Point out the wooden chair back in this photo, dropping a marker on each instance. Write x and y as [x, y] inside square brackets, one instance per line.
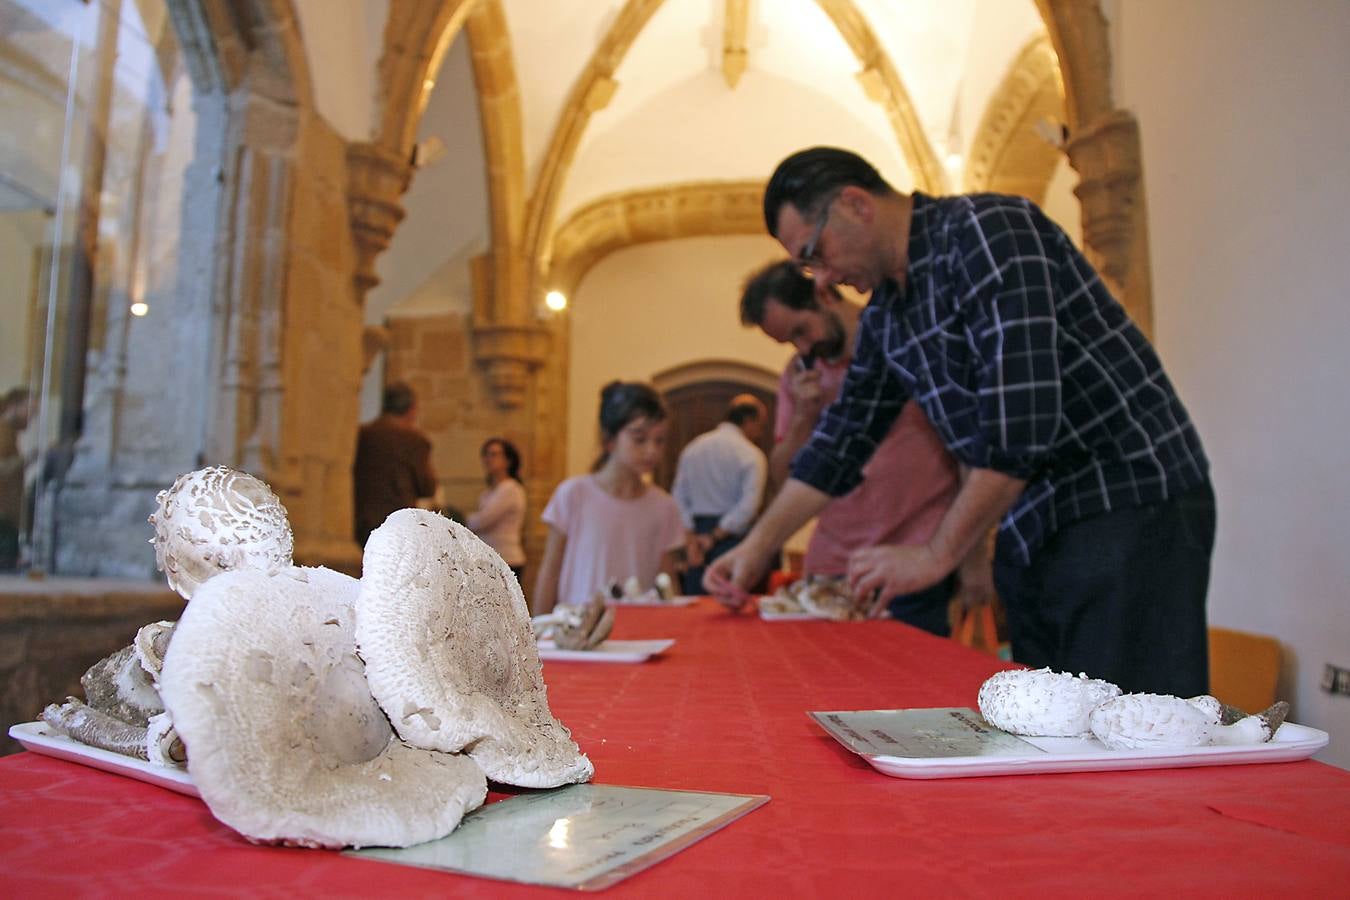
[1244, 668]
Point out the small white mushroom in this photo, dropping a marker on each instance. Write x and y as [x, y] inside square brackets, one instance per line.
[285, 742]
[1042, 702]
[583, 627]
[119, 686]
[450, 655]
[828, 597]
[1161, 721]
[150, 645]
[214, 520]
[1152, 721]
[163, 746]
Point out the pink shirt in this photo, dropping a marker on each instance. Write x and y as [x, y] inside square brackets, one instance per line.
[609, 539]
[500, 520]
[907, 485]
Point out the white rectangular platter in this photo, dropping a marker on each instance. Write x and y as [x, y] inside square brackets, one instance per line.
[769, 615]
[681, 600]
[608, 651]
[39, 738]
[956, 742]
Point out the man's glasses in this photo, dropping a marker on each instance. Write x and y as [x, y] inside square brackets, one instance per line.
[808, 258]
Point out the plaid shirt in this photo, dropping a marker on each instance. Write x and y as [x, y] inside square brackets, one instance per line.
[1024, 363]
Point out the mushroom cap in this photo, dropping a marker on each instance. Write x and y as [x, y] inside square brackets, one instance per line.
[450, 655]
[284, 740]
[1041, 702]
[214, 520]
[1154, 721]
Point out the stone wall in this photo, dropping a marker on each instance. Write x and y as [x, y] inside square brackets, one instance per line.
[52, 630]
[458, 411]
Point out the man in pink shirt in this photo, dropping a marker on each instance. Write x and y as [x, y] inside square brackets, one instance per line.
[910, 480]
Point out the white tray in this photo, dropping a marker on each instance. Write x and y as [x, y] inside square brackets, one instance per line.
[39, 738]
[1291, 742]
[769, 615]
[608, 651]
[681, 600]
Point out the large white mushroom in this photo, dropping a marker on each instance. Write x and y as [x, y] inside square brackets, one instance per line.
[210, 521]
[285, 742]
[1042, 702]
[214, 520]
[445, 634]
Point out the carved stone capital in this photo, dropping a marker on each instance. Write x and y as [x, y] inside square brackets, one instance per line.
[376, 179]
[509, 353]
[1106, 156]
[374, 340]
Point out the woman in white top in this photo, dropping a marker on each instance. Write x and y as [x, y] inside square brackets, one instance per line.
[500, 517]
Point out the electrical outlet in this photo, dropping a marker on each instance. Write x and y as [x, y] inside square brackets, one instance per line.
[1335, 680]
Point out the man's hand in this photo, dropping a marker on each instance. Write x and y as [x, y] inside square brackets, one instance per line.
[729, 576]
[886, 572]
[693, 550]
[807, 395]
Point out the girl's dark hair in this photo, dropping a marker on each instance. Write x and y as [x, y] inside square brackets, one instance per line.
[509, 451]
[620, 403]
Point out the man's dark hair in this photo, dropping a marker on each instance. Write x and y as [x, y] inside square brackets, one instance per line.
[740, 413]
[398, 398]
[780, 281]
[807, 178]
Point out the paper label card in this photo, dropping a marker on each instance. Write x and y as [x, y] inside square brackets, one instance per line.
[583, 836]
[921, 733]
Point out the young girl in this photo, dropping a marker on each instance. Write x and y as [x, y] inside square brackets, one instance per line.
[611, 525]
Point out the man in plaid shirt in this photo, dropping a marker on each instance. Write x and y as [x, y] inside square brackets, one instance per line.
[1070, 436]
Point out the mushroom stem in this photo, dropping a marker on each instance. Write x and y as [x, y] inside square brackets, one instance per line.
[97, 729]
[1257, 729]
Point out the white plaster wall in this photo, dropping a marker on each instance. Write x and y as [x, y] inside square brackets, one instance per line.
[343, 43]
[1247, 166]
[647, 308]
[697, 130]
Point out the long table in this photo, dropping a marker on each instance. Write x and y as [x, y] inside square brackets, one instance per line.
[725, 710]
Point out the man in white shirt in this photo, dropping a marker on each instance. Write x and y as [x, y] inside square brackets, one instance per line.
[719, 482]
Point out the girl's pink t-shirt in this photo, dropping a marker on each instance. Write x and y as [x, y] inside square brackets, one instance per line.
[907, 485]
[609, 539]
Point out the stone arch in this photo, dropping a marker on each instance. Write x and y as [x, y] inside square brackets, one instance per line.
[1103, 147]
[883, 85]
[676, 377]
[665, 213]
[1006, 154]
[596, 86]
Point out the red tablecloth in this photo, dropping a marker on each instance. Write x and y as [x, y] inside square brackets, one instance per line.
[724, 710]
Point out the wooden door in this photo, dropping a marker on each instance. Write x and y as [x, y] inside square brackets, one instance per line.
[699, 407]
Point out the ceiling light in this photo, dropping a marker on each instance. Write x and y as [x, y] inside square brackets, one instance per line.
[556, 301]
[140, 308]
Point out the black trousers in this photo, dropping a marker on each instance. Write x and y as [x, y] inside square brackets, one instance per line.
[926, 609]
[691, 580]
[1119, 596]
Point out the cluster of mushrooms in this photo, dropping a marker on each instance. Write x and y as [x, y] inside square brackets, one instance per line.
[1043, 703]
[821, 596]
[311, 708]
